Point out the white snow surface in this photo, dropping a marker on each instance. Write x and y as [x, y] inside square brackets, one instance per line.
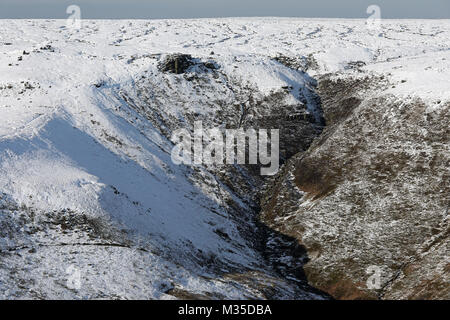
[59, 134]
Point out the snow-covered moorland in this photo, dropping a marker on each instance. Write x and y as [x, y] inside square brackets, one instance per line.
[87, 185]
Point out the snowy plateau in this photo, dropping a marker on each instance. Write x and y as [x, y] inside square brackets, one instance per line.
[92, 206]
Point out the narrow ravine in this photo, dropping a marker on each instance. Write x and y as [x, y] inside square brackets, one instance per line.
[300, 125]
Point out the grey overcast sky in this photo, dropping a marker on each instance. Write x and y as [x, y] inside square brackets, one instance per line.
[150, 9]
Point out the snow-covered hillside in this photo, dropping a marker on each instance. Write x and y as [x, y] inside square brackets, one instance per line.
[87, 185]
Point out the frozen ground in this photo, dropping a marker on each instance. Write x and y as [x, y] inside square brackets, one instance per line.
[86, 181]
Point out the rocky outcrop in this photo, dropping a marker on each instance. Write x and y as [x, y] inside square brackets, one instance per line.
[179, 63]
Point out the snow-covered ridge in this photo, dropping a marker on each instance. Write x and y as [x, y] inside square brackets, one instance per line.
[75, 140]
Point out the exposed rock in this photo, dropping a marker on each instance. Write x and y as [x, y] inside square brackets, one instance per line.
[301, 63]
[176, 63]
[179, 63]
